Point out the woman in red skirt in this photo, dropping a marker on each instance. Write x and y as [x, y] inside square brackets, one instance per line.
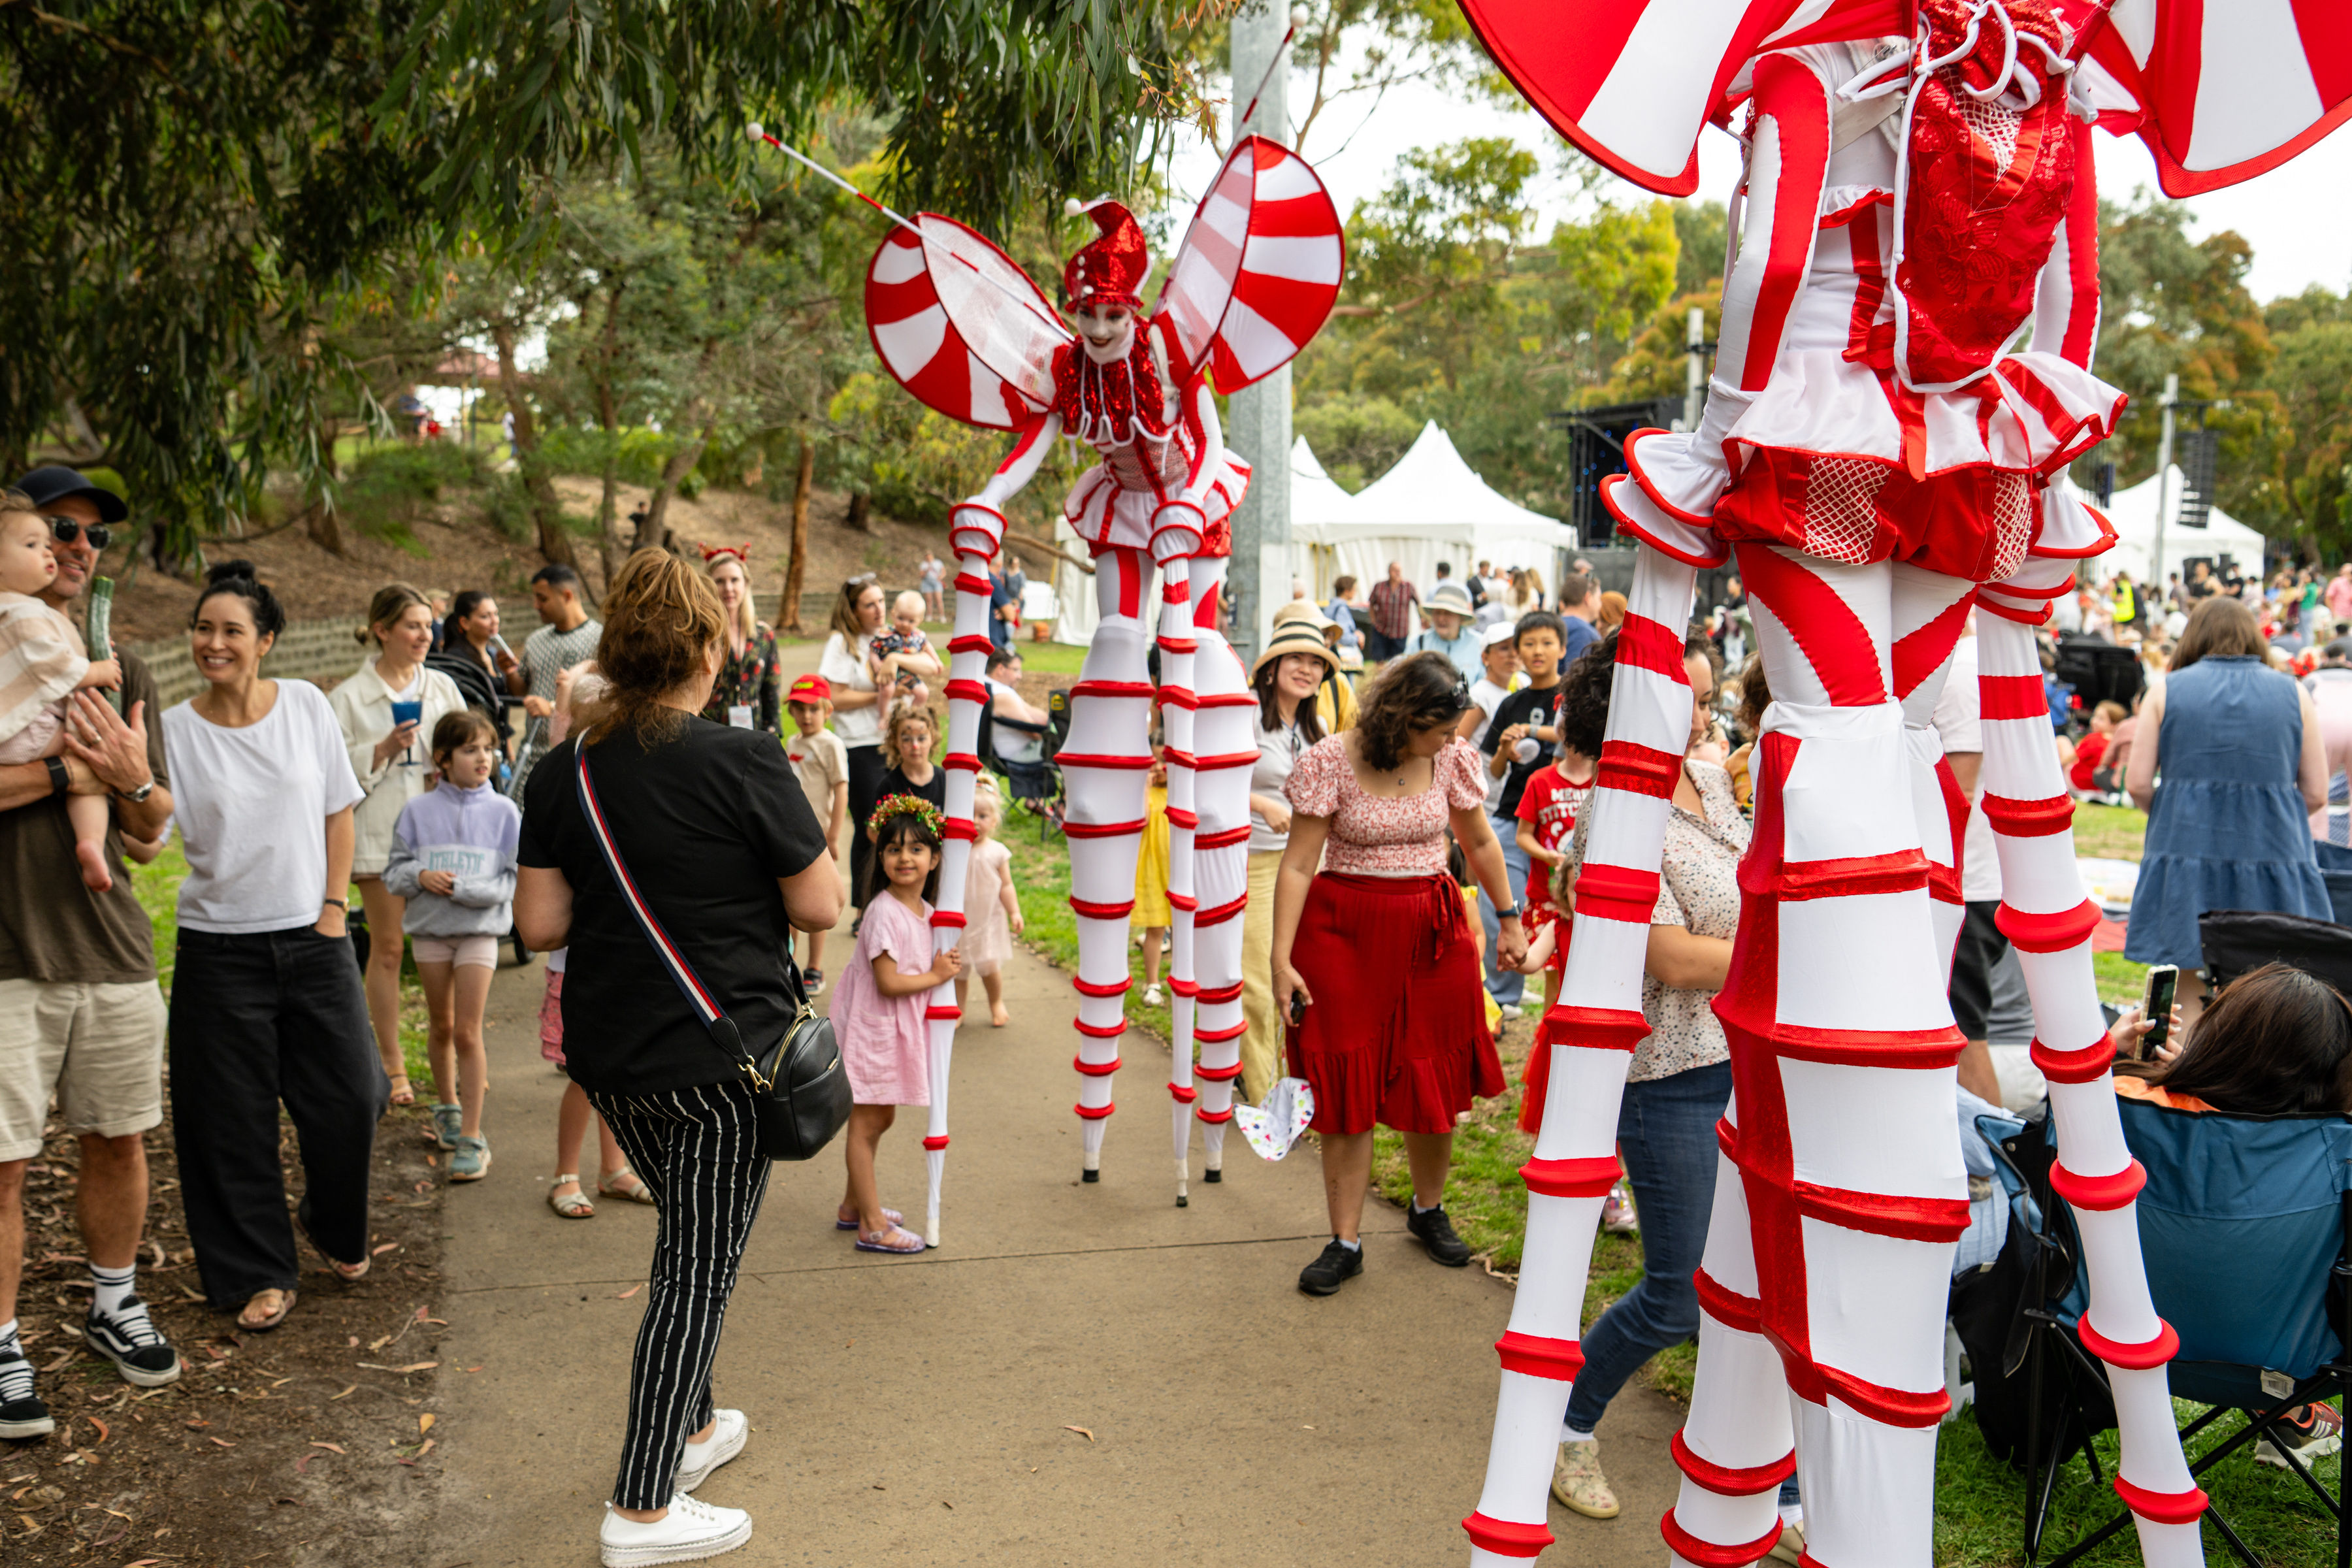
[1373, 958]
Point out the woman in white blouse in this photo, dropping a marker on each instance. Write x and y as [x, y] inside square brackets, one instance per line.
[857, 708]
[265, 1000]
[393, 769]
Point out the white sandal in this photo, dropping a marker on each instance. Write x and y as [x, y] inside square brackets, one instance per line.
[574, 1205]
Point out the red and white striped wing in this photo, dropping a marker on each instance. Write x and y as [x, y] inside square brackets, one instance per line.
[2220, 90]
[1633, 82]
[958, 323]
[1259, 269]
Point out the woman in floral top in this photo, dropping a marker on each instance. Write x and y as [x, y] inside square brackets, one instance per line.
[745, 693]
[1374, 963]
[1679, 1083]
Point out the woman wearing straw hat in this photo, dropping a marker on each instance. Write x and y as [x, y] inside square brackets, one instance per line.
[1334, 698]
[1294, 667]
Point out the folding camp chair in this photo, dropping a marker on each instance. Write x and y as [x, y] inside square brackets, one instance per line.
[2246, 1229]
[2335, 870]
[1031, 786]
[2237, 941]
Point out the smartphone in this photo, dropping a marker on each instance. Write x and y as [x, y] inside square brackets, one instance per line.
[1297, 1008]
[2155, 1006]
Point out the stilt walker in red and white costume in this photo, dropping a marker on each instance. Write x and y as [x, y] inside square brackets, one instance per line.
[960, 327]
[1880, 463]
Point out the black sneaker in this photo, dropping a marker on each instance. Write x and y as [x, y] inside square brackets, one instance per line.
[22, 1415]
[1338, 1264]
[129, 1340]
[1436, 1234]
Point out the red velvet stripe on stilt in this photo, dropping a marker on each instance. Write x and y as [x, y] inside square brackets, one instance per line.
[1118, 987]
[1218, 1037]
[1100, 1031]
[1095, 1070]
[960, 762]
[1637, 769]
[950, 1013]
[967, 584]
[1218, 1075]
[1221, 913]
[2013, 696]
[2163, 1508]
[1708, 1554]
[935, 1142]
[1095, 1113]
[1725, 1482]
[1114, 764]
[1102, 688]
[1726, 1306]
[1094, 912]
[970, 691]
[1214, 1117]
[1646, 645]
[1224, 839]
[2141, 1357]
[1623, 893]
[2028, 818]
[1506, 1538]
[961, 828]
[1920, 653]
[1596, 1028]
[1587, 1177]
[1851, 876]
[2051, 932]
[1879, 1214]
[1212, 995]
[1102, 830]
[1559, 1360]
[2092, 1062]
[1903, 1049]
[973, 642]
[2099, 1194]
[1182, 1093]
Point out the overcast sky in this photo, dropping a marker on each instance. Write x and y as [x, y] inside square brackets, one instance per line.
[2298, 218]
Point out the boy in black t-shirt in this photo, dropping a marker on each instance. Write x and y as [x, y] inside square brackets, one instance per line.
[1533, 710]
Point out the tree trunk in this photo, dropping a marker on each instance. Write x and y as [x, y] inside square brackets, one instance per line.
[796, 568]
[680, 461]
[546, 511]
[608, 518]
[859, 504]
[318, 520]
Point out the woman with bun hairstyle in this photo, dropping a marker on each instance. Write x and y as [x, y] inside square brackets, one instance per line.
[390, 761]
[267, 1007]
[1374, 965]
[721, 847]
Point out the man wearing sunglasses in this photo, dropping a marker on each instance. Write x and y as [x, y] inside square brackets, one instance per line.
[81, 1016]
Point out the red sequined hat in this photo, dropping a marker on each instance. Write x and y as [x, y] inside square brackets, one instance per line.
[1109, 270]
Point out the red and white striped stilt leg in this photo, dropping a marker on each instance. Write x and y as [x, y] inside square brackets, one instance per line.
[2048, 919]
[1930, 609]
[1103, 764]
[1225, 749]
[974, 535]
[1176, 709]
[1599, 1012]
[1843, 1064]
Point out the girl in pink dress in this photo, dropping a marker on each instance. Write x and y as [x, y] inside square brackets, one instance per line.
[877, 1007]
[995, 906]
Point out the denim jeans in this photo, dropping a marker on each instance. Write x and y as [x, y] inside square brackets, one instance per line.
[1507, 985]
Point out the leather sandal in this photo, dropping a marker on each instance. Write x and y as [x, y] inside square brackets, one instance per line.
[402, 1094]
[269, 1320]
[574, 1205]
[635, 1191]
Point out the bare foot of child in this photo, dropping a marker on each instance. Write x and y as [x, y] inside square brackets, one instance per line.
[997, 1017]
[94, 874]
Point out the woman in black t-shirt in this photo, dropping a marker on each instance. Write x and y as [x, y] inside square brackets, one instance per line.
[719, 841]
[908, 738]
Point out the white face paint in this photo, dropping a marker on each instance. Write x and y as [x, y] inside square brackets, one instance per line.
[1106, 330]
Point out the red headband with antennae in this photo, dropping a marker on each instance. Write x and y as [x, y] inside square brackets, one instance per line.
[742, 552]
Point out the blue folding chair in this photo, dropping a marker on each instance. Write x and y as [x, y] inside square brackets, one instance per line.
[2246, 1228]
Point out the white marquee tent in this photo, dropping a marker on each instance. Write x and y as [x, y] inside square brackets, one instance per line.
[2133, 511]
[1430, 507]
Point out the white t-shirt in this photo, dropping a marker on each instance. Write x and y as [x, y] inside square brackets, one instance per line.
[1014, 745]
[1488, 696]
[843, 668]
[251, 805]
[1958, 720]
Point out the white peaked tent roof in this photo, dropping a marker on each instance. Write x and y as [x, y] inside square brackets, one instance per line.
[1433, 492]
[1316, 497]
[2133, 512]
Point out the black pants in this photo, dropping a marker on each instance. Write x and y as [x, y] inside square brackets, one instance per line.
[258, 1019]
[865, 770]
[698, 1151]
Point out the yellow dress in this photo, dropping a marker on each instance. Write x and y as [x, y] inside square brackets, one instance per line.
[1151, 864]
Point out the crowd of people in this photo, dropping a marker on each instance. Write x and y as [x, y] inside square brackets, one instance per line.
[1416, 824]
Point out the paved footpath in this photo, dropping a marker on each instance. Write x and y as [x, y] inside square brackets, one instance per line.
[918, 1410]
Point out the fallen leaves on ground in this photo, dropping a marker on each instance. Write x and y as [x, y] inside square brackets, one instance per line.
[1081, 1431]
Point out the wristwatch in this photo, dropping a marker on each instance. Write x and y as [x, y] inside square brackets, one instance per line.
[60, 780]
[1508, 913]
[136, 796]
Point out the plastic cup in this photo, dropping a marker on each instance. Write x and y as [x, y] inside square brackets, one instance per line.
[408, 713]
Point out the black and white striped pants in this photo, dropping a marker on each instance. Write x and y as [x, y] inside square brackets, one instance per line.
[698, 1151]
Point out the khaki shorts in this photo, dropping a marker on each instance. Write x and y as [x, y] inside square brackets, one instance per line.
[98, 1049]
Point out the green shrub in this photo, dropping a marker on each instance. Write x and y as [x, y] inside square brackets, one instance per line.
[388, 488]
[580, 450]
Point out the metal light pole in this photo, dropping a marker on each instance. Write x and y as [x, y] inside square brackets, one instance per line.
[1694, 371]
[1257, 417]
[2163, 486]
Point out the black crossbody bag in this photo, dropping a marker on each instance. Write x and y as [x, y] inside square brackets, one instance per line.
[799, 1087]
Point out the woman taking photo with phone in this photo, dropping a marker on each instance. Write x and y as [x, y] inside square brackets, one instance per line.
[1374, 963]
[386, 709]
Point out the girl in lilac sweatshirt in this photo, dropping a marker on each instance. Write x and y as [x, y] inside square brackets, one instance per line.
[452, 859]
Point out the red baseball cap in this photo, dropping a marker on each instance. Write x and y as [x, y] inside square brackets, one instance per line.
[810, 688]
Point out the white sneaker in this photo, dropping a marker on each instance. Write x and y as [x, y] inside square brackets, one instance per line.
[1508, 1009]
[1151, 996]
[688, 1532]
[699, 1459]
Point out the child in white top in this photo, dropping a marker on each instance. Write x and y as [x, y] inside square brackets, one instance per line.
[41, 665]
[904, 635]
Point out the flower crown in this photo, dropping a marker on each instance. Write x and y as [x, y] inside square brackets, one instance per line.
[913, 805]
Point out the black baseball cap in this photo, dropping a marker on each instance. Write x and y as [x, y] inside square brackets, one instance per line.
[52, 482]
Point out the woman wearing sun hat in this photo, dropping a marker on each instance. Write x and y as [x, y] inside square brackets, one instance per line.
[1289, 673]
[1334, 699]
